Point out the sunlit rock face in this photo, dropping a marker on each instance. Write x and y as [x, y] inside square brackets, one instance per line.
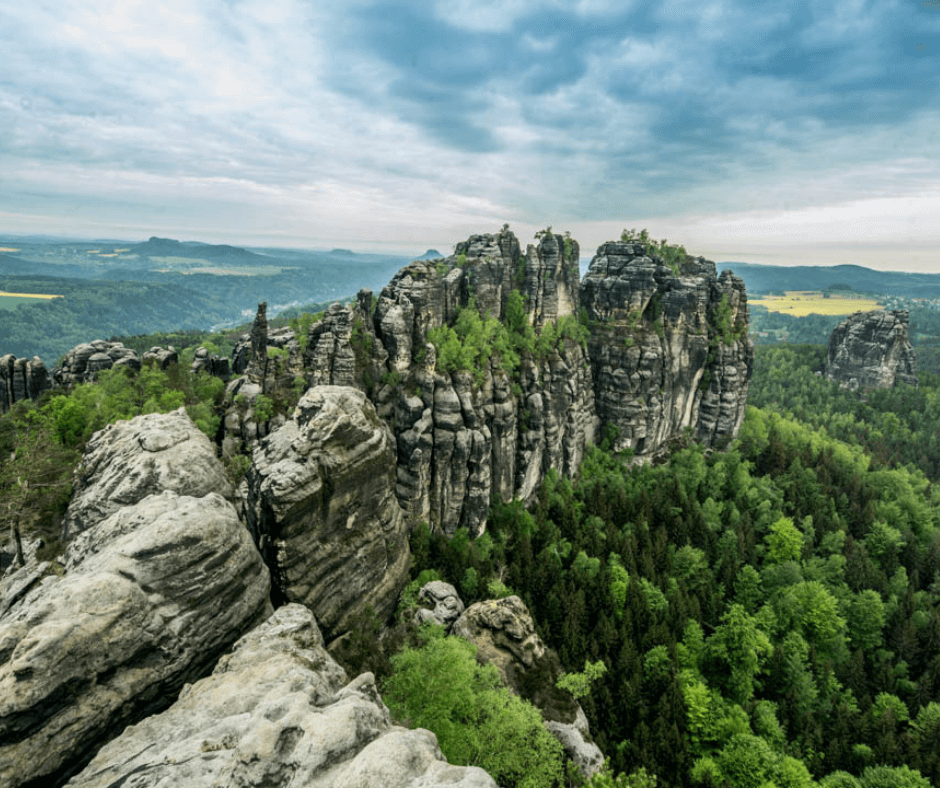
[160, 577]
[278, 712]
[669, 350]
[872, 350]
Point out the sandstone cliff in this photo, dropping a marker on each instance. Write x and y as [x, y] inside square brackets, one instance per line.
[667, 357]
[872, 350]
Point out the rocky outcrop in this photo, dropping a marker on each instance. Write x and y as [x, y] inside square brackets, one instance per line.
[21, 379]
[150, 597]
[210, 363]
[872, 350]
[129, 460]
[442, 605]
[669, 349]
[505, 637]
[322, 508]
[278, 711]
[162, 356]
[83, 362]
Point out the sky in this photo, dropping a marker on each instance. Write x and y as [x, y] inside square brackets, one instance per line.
[787, 133]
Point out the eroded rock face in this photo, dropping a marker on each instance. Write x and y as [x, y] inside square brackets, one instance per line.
[21, 379]
[505, 636]
[669, 350]
[151, 596]
[83, 362]
[278, 711]
[443, 605]
[872, 350]
[129, 460]
[322, 508]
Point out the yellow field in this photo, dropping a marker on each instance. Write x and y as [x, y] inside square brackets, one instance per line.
[7, 249]
[28, 295]
[801, 303]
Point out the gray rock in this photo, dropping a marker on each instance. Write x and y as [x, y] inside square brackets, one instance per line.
[83, 362]
[445, 605]
[321, 505]
[129, 460]
[21, 379]
[663, 366]
[153, 594]
[872, 350]
[162, 356]
[277, 711]
[505, 637]
[258, 362]
[210, 363]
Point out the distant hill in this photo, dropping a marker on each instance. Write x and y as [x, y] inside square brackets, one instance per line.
[430, 254]
[766, 278]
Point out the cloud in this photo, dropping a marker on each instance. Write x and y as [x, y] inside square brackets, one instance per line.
[387, 120]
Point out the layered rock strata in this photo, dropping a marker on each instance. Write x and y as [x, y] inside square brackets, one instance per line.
[669, 349]
[83, 362]
[278, 711]
[150, 597]
[321, 506]
[872, 350]
[21, 379]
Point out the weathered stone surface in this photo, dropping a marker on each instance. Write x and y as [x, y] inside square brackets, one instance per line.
[872, 350]
[322, 508]
[505, 636]
[212, 364]
[258, 361]
[162, 356]
[21, 379]
[129, 460]
[444, 606]
[277, 711]
[669, 350]
[82, 363]
[152, 595]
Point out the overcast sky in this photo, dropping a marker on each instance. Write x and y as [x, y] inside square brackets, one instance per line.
[791, 132]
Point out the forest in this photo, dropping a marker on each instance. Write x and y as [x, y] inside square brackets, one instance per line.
[764, 615]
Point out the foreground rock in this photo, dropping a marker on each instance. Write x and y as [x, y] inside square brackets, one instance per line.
[277, 711]
[872, 350]
[152, 595]
[129, 460]
[505, 636]
[321, 504]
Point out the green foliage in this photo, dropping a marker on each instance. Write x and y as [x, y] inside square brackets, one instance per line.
[671, 254]
[478, 722]
[579, 684]
[263, 408]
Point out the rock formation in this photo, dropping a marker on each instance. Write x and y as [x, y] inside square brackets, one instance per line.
[322, 508]
[162, 356]
[505, 637]
[204, 361]
[129, 460]
[278, 711]
[444, 606]
[872, 350]
[83, 362]
[669, 349]
[21, 379]
[155, 587]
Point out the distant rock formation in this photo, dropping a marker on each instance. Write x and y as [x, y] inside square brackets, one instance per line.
[278, 711]
[82, 363]
[21, 379]
[872, 350]
[155, 588]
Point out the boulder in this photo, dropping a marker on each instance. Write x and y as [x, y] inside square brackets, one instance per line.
[445, 606]
[83, 362]
[277, 711]
[872, 350]
[151, 597]
[321, 505]
[129, 460]
[162, 356]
